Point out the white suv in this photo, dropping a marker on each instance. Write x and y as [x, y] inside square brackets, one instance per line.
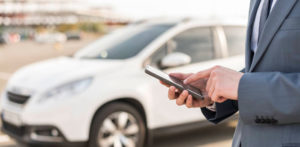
[101, 96]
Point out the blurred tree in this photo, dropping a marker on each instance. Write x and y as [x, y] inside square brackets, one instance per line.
[68, 27]
[1, 29]
[83, 26]
[41, 29]
[93, 27]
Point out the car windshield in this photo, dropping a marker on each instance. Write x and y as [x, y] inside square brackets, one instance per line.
[124, 43]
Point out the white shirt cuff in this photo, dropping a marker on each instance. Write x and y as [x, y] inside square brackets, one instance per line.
[212, 107]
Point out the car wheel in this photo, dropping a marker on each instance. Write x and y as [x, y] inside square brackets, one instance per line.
[118, 125]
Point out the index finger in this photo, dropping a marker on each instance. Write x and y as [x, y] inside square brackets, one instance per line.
[180, 76]
[197, 76]
[167, 85]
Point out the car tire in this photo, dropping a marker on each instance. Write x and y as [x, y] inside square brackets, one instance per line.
[114, 123]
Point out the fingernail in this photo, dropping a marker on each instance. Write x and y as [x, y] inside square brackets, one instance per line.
[172, 88]
[185, 92]
[185, 81]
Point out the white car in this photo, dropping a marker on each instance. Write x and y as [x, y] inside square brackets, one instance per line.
[101, 96]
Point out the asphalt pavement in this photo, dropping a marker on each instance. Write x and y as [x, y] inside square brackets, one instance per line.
[212, 136]
[14, 56]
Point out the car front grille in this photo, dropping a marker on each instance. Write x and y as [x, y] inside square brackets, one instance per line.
[17, 98]
[17, 131]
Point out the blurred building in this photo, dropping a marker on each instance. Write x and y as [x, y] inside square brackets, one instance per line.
[54, 12]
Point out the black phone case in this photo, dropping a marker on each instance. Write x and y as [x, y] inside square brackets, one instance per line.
[196, 95]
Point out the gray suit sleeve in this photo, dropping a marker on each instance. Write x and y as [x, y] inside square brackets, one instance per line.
[270, 96]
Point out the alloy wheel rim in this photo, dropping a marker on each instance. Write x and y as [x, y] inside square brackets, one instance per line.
[119, 129]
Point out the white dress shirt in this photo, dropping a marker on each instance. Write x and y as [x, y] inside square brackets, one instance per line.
[254, 39]
[255, 30]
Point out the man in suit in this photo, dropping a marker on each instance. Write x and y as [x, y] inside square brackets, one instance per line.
[267, 92]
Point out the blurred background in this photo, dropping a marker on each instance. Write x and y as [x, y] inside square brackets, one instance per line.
[36, 30]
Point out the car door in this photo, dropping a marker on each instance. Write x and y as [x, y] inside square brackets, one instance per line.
[196, 43]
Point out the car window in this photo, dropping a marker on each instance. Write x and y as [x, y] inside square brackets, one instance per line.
[196, 42]
[236, 39]
[158, 56]
[124, 43]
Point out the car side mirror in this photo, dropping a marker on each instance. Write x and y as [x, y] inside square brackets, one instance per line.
[175, 59]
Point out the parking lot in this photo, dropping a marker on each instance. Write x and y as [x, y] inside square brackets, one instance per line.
[14, 56]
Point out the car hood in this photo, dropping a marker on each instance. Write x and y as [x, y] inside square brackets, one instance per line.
[58, 71]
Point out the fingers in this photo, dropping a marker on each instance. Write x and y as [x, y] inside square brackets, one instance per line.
[180, 76]
[208, 84]
[189, 102]
[210, 80]
[211, 91]
[217, 98]
[222, 99]
[172, 93]
[161, 82]
[211, 87]
[214, 97]
[197, 76]
[182, 98]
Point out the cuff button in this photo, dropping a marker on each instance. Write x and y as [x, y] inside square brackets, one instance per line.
[257, 121]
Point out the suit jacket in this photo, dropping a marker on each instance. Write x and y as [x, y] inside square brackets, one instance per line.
[269, 91]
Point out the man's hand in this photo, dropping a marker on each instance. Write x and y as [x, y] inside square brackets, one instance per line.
[184, 98]
[222, 83]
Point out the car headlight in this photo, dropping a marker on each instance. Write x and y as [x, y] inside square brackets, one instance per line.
[68, 89]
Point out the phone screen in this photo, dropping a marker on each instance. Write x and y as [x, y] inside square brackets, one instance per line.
[195, 92]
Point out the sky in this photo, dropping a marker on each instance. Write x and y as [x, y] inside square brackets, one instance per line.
[139, 9]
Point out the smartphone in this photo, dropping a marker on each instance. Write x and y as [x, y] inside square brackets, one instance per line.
[195, 92]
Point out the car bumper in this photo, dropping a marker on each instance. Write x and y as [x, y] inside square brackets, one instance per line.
[74, 123]
[38, 136]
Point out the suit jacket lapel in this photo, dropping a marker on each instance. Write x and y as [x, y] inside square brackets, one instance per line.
[276, 18]
[253, 9]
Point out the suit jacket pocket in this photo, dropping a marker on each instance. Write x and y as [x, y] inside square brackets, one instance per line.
[291, 24]
[291, 145]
